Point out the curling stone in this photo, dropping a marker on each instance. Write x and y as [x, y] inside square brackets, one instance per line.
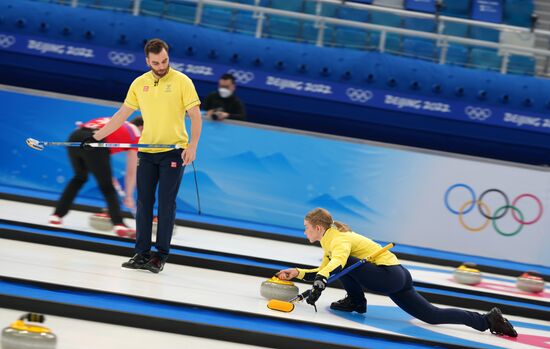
[22, 335]
[276, 288]
[467, 274]
[530, 281]
[101, 221]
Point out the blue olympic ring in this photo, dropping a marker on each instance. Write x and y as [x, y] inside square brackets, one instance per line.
[467, 187]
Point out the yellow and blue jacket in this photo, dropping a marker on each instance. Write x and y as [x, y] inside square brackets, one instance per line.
[338, 246]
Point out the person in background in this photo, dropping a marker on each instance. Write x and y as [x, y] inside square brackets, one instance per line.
[98, 163]
[223, 103]
[342, 248]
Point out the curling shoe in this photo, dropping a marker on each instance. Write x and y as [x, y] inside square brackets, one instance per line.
[55, 220]
[499, 325]
[154, 265]
[346, 304]
[138, 261]
[124, 231]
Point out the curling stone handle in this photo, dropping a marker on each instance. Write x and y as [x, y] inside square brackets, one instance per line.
[33, 317]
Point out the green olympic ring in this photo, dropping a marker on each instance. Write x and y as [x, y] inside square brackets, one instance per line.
[506, 207]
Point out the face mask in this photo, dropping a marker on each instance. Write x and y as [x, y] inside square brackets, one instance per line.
[224, 92]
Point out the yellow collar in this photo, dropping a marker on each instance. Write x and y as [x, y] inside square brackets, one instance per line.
[329, 235]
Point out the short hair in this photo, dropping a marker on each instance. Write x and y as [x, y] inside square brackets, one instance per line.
[155, 46]
[138, 121]
[228, 76]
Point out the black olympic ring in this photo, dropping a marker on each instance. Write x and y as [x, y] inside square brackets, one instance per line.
[507, 205]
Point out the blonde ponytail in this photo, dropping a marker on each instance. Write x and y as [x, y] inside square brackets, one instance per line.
[320, 216]
[343, 227]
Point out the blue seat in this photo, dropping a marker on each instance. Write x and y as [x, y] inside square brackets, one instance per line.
[218, 18]
[283, 28]
[245, 23]
[180, 11]
[368, 2]
[456, 29]
[327, 9]
[389, 3]
[457, 55]
[353, 14]
[486, 34]
[521, 65]
[420, 6]
[153, 7]
[263, 3]
[456, 8]
[352, 38]
[309, 33]
[485, 59]
[518, 12]
[419, 48]
[393, 41]
[294, 5]
[420, 24]
[387, 19]
[124, 5]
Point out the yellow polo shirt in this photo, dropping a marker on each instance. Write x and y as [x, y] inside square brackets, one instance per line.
[163, 104]
[338, 246]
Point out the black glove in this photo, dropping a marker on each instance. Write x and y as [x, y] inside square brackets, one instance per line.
[85, 144]
[319, 286]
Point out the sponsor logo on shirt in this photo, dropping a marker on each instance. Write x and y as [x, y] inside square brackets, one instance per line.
[168, 88]
[145, 88]
[174, 164]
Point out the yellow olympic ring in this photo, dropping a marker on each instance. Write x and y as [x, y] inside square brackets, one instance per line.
[467, 227]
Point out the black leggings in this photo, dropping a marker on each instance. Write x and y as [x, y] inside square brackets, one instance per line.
[395, 281]
[98, 162]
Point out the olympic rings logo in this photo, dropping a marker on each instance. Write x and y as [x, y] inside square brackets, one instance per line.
[121, 58]
[485, 211]
[6, 40]
[358, 95]
[476, 113]
[241, 76]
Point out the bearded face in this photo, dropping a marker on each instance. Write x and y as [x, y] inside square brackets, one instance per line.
[159, 63]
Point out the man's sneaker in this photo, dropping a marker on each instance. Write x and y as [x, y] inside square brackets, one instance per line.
[346, 304]
[138, 261]
[55, 220]
[124, 231]
[155, 265]
[499, 325]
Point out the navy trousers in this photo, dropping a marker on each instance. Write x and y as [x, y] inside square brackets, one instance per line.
[164, 170]
[396, 282]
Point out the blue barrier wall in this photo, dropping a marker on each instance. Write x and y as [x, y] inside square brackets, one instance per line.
[273, 177]
[380, 74]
